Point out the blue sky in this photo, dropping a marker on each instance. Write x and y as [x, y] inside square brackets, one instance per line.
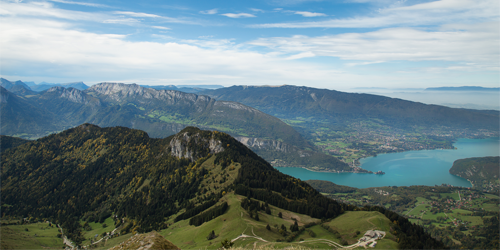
[319, 43]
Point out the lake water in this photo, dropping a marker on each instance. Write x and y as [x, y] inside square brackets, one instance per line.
[426, 167]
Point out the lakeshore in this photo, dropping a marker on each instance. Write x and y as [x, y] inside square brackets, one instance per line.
[422, 167]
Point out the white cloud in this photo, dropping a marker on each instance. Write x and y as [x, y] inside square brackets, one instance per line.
[80, 3]
[209, 12]
[432, 13]
[461, 43]
[147, 15]
[126, 21]
[136, 14]
[363, 63]
[257, 10]
[309, 14]
[238, 15]
[301, 55]
[41, 48]
[47, 10]
[161, 27]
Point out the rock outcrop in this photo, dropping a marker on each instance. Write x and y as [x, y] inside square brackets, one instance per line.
[149, 241]
[194, 146]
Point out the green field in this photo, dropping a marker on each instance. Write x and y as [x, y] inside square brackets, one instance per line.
[97, 228]
[350, 222]
[232, 224]
[38, 235]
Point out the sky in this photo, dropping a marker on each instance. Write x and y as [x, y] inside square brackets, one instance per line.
[318, 43]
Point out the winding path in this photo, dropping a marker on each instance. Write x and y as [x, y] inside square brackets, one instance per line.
[329, 242]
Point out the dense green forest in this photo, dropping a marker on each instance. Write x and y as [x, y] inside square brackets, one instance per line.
[88, 173]
[7, 142]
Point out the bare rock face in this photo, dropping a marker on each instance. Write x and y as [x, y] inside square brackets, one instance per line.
[264, 144]
[73, 95]
[120, 91]
[194, 146]
[149, 241]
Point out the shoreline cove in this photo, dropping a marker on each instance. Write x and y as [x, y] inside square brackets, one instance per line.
[419, 167]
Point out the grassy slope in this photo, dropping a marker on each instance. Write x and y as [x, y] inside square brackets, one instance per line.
[236, 221]
[348, 223]
[15, 237]
[231, 225]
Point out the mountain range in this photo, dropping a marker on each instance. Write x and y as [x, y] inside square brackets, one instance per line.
[256, 116]
[160, 113]
[310, 104]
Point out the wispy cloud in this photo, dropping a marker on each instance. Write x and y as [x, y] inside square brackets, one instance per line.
[257, 10]
[209, 12]
[47, 10]
[476, 44]
[80, 3]
[309, 14]
[161, 27]
[238, 15]
[122, 21]
[136, 14]
[113, 58]
[148, 15]
[432, 13]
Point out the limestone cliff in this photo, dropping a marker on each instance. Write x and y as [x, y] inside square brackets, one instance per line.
[194, 146]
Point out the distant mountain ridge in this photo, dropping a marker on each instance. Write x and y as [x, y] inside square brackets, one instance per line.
[290, 102]
[32, 87]
[44, 86]
[463, 88]
[160, 113]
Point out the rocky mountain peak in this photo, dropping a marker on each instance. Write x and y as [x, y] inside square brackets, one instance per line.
[9, 85]
[192, 143]
[120, 91]
[72, 94]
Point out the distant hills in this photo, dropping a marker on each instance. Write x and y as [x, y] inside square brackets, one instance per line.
[290, 102]
[21, 88]
[160, 113]
[463, 88]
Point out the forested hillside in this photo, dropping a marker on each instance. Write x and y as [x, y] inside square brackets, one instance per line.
[90, 172]
[482, 172]
[7, 142]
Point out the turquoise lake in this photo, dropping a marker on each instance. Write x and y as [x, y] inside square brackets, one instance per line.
[426, 167]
